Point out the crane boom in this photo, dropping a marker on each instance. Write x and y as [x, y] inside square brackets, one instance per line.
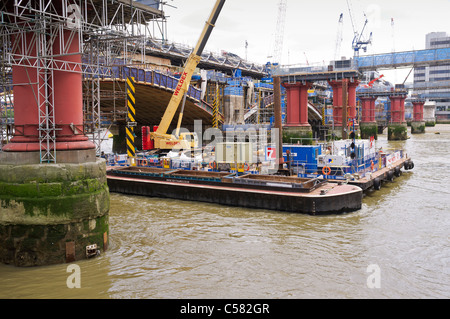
[337, 50]
[279, 33]
[184, 81]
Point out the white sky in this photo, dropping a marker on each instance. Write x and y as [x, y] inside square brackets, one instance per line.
[310, 27]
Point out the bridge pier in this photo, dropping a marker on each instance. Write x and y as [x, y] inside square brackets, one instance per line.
[368, 125]
[342, 90]
[53, 210]
[418, 124]
[397, 129]
[297, 125]
[352, 85]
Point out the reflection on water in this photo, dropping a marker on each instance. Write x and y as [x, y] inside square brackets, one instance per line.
[163, 248]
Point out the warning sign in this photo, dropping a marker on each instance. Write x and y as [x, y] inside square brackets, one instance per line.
[271, 153]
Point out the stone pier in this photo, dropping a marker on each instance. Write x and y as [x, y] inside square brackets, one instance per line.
[54, 195]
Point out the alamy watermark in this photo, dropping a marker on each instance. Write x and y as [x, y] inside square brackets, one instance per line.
[74, 17]
[374, 279]
[263, 143]
[74, 279]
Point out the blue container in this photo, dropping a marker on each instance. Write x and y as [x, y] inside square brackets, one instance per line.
[303, 155]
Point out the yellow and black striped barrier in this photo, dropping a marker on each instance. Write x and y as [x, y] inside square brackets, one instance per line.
[131, 120]
[324, 114]
[216, 109]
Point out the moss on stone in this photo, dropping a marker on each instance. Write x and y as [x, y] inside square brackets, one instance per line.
[368, 130]
[397, 132]
[45, 206]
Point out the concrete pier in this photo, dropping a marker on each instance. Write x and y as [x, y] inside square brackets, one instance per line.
[54, 195]
[50, 213]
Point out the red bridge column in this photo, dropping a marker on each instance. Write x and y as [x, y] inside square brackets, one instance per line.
[397, 129]
[368, 125]
[397, 109]
[297, 104]
[418, 123]
[297, 127]
[352, 99]
[25, 87]
[368, 109]
[337, 102]
[66, 89]
[68, 97]
[418, 110]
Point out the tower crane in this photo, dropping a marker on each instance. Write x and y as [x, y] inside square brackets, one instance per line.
[337, 49]
[279, 33]
[358, 42]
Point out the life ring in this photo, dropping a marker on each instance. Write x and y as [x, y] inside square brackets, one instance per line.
[372, 165]
[246, 167]
[212, 165]
[144, 162]
[326, 170]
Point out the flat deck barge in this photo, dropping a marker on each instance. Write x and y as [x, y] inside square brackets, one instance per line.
[281, 193]
[385, 174]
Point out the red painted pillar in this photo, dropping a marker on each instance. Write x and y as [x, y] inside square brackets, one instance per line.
[397, 108]
[66, 89]
[337, 101]
[25, 88]
[368, 109]
[68, 96]
[293, 102]
[352, 99]
[418, 110]
[304, 104]
[297, 103]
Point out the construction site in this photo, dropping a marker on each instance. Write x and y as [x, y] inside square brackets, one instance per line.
[117, 41]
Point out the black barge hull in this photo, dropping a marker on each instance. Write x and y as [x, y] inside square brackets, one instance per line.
[326, 198]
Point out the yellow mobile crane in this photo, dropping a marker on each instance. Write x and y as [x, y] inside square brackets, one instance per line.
[184, 140]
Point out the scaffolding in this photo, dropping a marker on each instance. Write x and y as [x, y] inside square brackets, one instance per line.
[109, 33]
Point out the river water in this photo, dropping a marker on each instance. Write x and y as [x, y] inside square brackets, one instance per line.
[396, 246]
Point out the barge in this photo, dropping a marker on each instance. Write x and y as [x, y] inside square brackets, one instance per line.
[282, 193]
[357, 162]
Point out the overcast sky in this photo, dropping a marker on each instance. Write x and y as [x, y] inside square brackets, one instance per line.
[311, 27]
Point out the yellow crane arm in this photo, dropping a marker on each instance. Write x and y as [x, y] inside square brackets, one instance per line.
[189, 68]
